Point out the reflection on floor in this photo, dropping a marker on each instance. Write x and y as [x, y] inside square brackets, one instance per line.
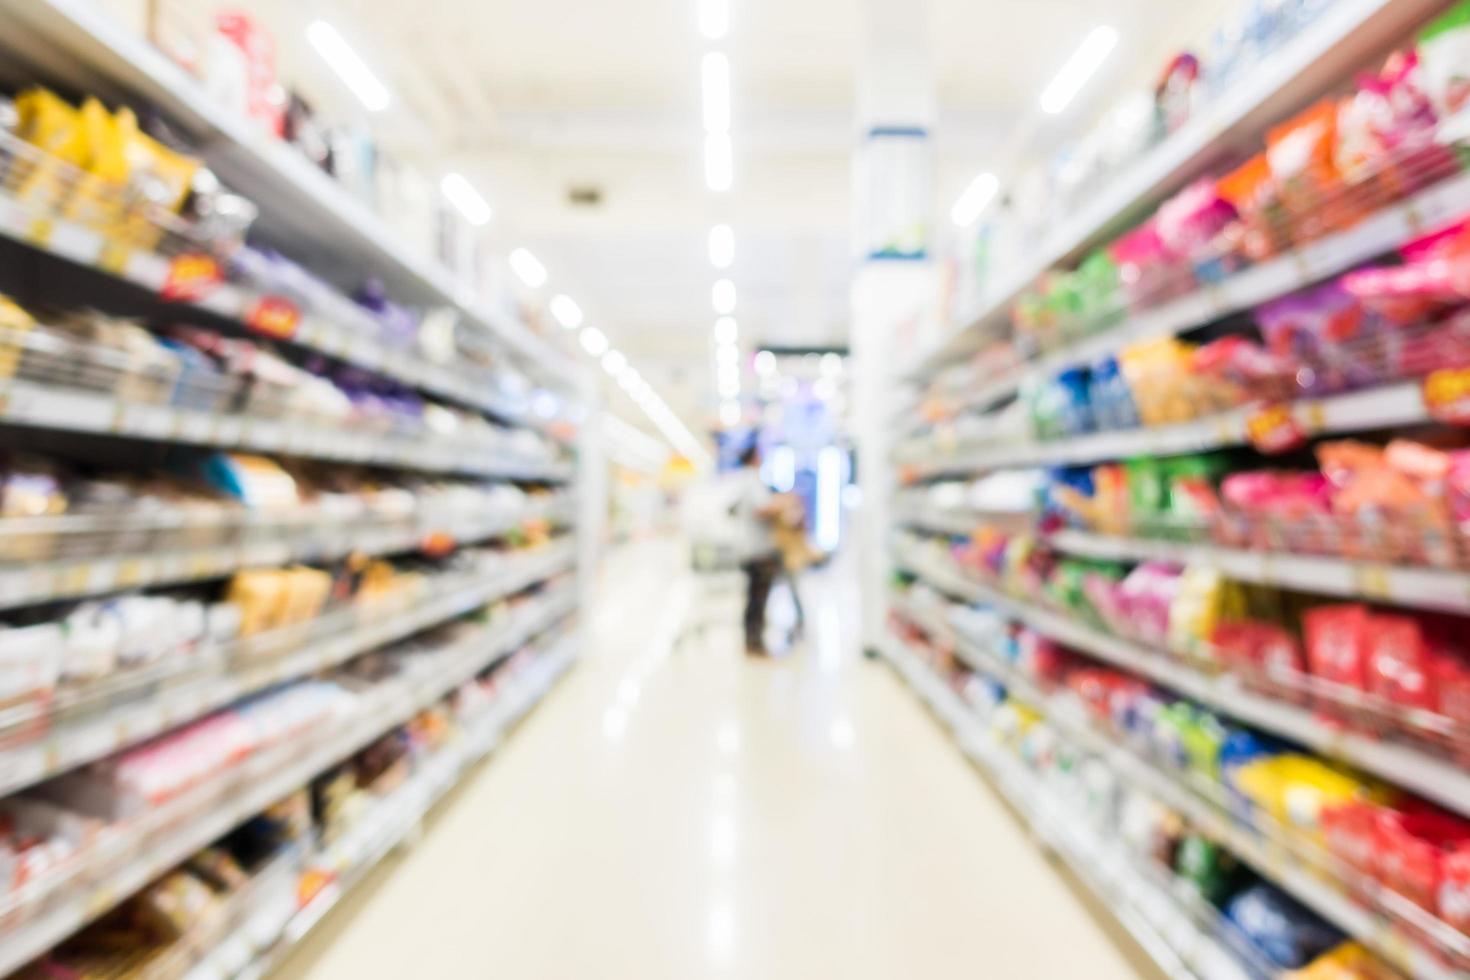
[677, 810]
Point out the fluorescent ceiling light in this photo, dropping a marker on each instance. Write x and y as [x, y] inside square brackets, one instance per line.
[719, 171]
[831, 364]
[566, 311]
[729, 414]
[721, 246]
[765, 363]
[727, 331]
[594, 341]
[714, 18]
[356, 75]
[729, 373]
[722, 296]
[728, 388]
[462, 195]
[972, 203]
[628, 380]
[528, 267]
[613, 362]
[1086, 60]
[727, 354]
[714, 72]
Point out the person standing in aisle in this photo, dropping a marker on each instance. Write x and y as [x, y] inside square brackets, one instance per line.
[755, 511]
[796, 554]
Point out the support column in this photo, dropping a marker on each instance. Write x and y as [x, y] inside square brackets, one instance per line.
[895, 283]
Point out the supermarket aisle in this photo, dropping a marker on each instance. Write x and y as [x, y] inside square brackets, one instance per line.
[694, 814]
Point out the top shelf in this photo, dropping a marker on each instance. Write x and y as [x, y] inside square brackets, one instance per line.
[1343, 39]
[329, 231]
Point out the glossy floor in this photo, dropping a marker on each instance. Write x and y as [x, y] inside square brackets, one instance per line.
[678, 811]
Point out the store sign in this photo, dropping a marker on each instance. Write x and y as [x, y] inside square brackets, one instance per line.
[1273, 430]
[1447, 395]
[191, 276]
[274, 317]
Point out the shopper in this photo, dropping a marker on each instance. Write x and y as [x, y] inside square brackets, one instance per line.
[755, 511]
[796, 554]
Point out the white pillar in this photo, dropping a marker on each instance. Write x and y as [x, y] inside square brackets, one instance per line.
[895, 281]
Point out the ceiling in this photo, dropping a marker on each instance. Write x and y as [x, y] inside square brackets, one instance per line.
[532, 100]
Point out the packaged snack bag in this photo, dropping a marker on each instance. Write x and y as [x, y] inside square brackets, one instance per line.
[1350, 829]
[1325, 329]
[1286, 932]
[1454, 887]
[1202, 598]
[1348, 961]
[1336, 640]
[1251, 190]
[1300, 155]
[1444, 57]
[1397, 665]
[1411, 849]
[1211, 869]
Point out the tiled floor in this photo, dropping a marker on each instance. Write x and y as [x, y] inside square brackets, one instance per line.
[676, 811]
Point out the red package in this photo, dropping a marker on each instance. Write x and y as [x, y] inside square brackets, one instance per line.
[1411, 848]
[1336, 639]
[1397, 661]
[1352, 835]
[265, 99]
[1454, 887]
[1260, 648]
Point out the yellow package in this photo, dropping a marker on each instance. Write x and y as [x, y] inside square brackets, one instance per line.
[1293, 789]
[306, 592]
[48, 123]
[258, 594]
[97, 200]
[1349, 961]
[158, 180]
[15, 323]
[1203, 600]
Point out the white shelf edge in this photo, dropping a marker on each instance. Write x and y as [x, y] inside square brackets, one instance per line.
[1385, 939]
[287, 186]
[1402, 765]
[386, 707]
[1021, 790]
[27, 404]
[1396, 404]
[457, 760]
[1336, 44]
[1419, 587]
[78, 742]
[46, 581]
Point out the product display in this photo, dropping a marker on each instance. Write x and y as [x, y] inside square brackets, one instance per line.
[283, 548]
[1189, 506]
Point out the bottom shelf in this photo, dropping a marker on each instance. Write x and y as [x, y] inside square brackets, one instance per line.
[1152, 915]
[270, 930]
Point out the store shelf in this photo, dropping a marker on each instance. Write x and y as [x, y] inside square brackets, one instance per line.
[1404, 765]
[74, 743]
[1418, 587]
[1151, 916]
[1258, 284]
[1339, 42]
[291, 540]
[328, 229]
[335, 336]
[1422, 588]
[170, 834]
[1261, 848]
[1376, 408]
[47, 407]
[392, 820]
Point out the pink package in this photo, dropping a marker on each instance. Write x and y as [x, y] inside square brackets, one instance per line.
[1145, 596]
[1190, 220]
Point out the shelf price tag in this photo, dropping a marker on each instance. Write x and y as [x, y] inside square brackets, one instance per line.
[1273, 430]
[191, 276]
[1446, 395]
[274, 317]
